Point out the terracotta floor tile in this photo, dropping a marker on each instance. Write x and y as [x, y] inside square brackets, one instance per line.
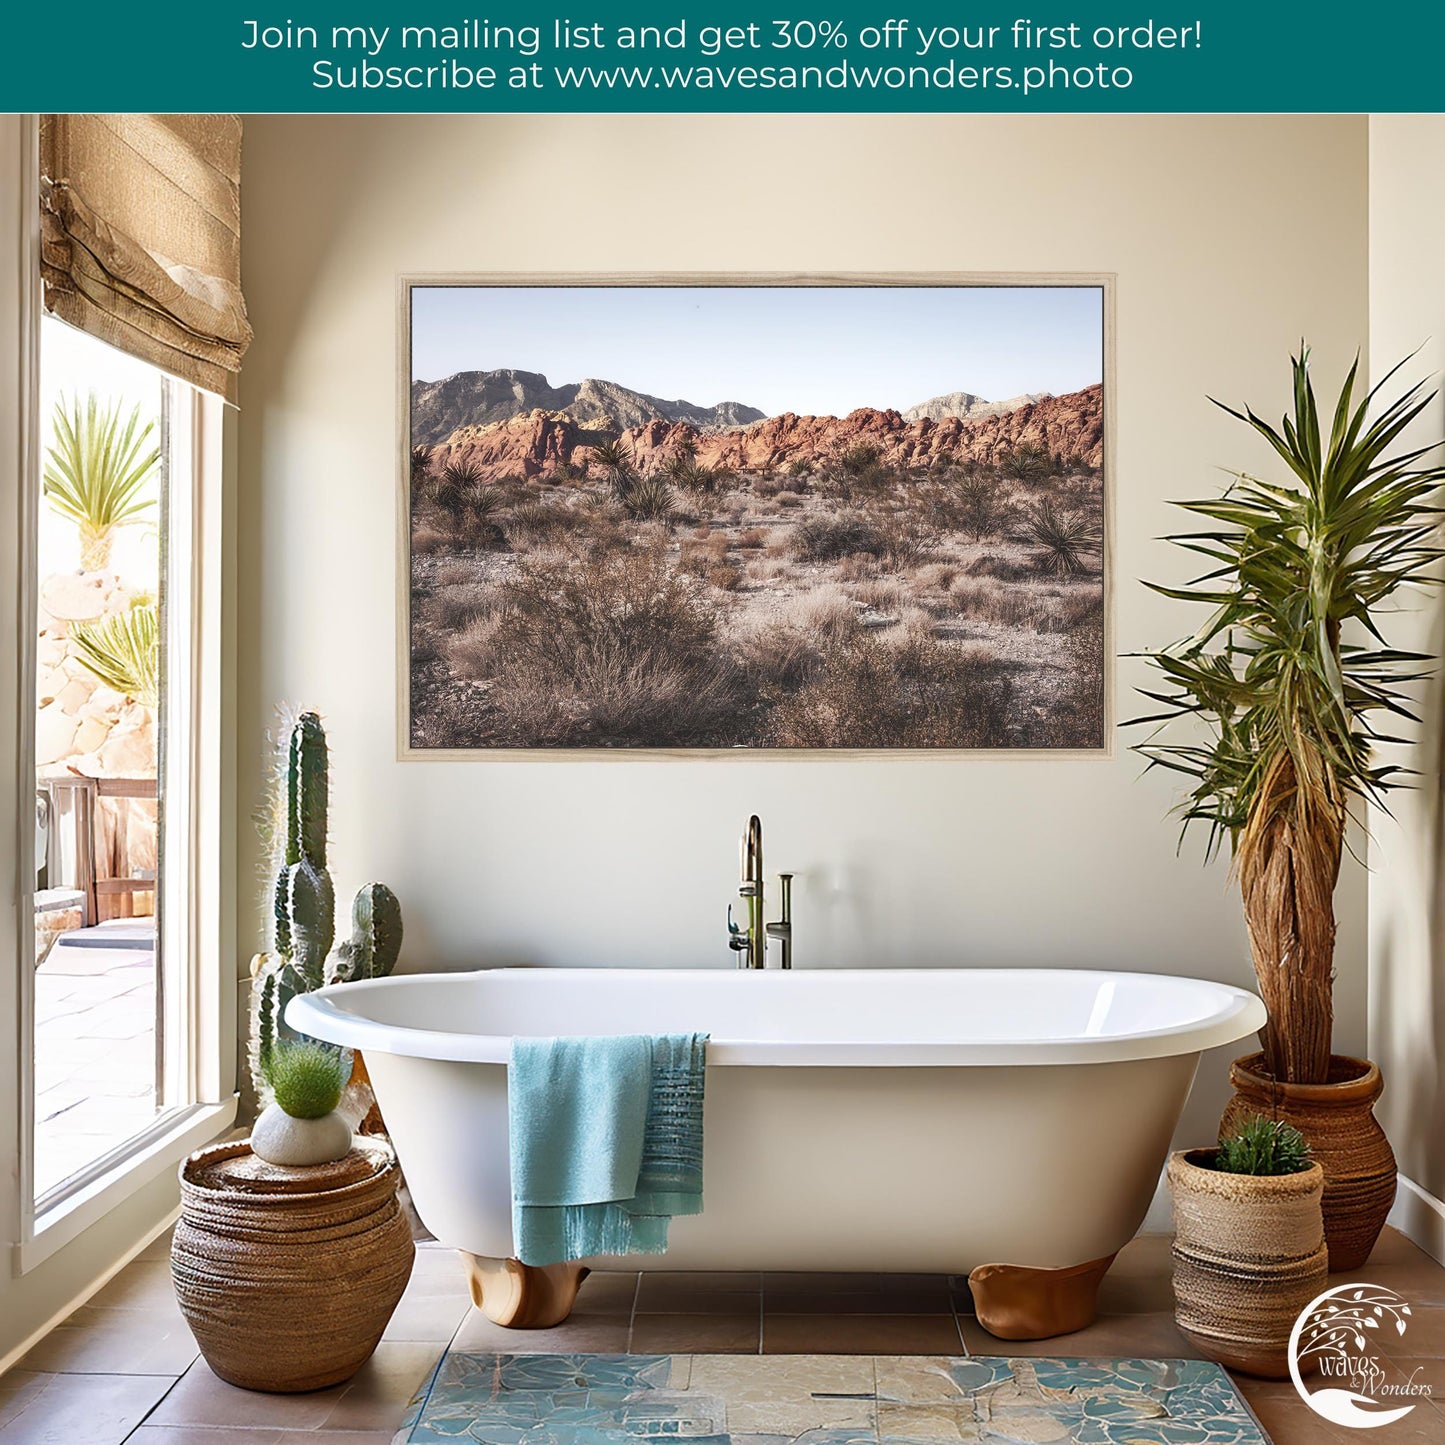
[427, 1317]
[1424, 1335]
[200, 1398]
[375, 1398]
[209, 1435]
[602, 1334]
[696, 1334]
[17, 1388]
[142, 1283]
[609, 1292]
[794, 1294]
[700, 1292]
[1143, 1335]
[95, 1409]
[849, 1334]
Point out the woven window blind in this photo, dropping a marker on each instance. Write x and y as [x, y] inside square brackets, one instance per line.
[141, 238]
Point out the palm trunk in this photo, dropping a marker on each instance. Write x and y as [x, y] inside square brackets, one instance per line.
[1288, 866]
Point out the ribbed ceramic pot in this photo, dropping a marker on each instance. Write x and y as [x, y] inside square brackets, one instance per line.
[1249, 1255]
[288, 1276]
[1345, 1139]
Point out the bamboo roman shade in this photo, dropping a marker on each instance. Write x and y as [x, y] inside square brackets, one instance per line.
[141, 241]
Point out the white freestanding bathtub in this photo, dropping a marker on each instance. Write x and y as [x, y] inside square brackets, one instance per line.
[885, 1120]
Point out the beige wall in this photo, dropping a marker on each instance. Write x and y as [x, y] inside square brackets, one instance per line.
[1214, 228]
[1407, 884]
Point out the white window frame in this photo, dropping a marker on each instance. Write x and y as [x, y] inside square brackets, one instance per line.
[197, 942]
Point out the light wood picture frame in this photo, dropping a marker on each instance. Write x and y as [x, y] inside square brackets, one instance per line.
[588, 569]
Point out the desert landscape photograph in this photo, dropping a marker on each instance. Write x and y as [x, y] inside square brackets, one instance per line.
[753, 516]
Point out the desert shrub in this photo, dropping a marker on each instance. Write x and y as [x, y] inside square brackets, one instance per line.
[982, 508]
[800, 467]
[725, 575]
[789, 499]
[779, 659]
[426, 540]
[1065, 540]
[1025, 462]
[856, 567]
[648, 499]
[826, 613]
[1006, 569]
[457, 487]
[901, 540]
[857, 472]
[698, 555]
[469, 651]
[540, 524]
[605, 650]
[752, 538]
[918, 693]
[769, 484]
[825, 537]
[934, 576]
[420, 468]
[458, 604]
[883, 593]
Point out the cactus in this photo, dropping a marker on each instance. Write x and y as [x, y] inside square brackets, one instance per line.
[375, 942]
[303, 905]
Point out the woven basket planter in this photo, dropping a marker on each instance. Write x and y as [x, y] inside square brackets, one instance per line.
[1249, 1255]
[1344, 1137]
[287, 1277]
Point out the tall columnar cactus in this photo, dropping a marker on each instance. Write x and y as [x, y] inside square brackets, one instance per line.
[303, 901]
[375, 942]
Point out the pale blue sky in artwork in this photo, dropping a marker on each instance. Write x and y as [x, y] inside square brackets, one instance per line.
[815, 350]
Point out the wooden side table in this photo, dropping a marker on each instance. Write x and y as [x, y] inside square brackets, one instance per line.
[287, 1277]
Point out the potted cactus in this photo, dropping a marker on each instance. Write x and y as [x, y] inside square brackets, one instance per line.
[300, 1126]
[303, 913]
[1249, 1243]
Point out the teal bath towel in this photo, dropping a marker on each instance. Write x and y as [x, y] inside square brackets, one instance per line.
[606, 1143]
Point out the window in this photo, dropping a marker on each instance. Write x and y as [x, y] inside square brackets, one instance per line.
[115, 1039]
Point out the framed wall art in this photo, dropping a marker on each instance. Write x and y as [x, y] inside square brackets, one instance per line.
[784, 513]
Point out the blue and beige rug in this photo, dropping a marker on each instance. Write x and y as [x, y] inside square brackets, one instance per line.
[825, 1400]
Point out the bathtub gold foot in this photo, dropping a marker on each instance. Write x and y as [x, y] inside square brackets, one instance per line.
[521, 1296]
[1018, 1303]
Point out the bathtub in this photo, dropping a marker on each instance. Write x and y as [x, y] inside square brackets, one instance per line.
[931, 1120]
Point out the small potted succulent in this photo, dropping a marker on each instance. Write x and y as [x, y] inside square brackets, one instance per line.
[301, 1125]
[1249, 1243]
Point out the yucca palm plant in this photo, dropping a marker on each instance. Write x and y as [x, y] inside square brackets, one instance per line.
[123, 651]
[97, 467]
[1293, 680]
[1065, 539]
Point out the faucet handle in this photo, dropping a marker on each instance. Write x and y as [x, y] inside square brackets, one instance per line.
[737, 937]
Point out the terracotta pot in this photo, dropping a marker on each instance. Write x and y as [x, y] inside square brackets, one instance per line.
[287, 1277]
[1249, 1255]
[1337, 1119]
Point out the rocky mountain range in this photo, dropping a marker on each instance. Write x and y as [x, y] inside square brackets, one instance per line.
[968, 407]
[485, 398]
[536, 442]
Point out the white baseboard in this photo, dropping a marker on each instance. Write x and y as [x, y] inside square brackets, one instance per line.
[1420, 1217]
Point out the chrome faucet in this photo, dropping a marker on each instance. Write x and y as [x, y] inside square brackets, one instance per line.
[751, 942]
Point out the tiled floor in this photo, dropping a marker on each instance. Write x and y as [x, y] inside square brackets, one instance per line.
[124, 1368]
[95, 1055]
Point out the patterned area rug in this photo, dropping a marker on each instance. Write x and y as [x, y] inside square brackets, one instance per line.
[825, 1400]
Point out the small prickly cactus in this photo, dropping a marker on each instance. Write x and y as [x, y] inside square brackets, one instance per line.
[375, 942]
[306, 1077]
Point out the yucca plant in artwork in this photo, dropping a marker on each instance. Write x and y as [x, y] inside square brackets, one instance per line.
[96, 470]
[1292, 679]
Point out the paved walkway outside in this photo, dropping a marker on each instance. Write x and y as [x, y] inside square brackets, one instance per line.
[95, 1072]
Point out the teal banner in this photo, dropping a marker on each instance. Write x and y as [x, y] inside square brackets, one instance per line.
[726, 55]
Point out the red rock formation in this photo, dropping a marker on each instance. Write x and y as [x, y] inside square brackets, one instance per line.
[536, 443]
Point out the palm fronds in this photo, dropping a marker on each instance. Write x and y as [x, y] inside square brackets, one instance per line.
[123, 651]
[1291, 677]
[95, 471]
